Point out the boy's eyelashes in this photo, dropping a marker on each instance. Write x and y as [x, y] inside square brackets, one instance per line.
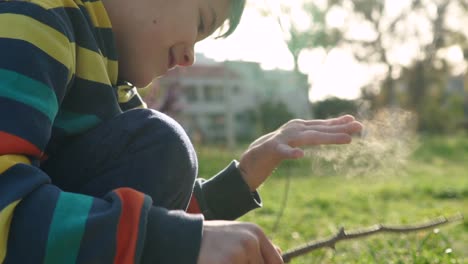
[201, 24]
[206, 23]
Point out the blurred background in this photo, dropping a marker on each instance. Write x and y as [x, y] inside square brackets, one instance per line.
[321, 58]
[398, 66]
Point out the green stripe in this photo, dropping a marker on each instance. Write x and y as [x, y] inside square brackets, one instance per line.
[67, 228]
[20, 88]
[75, 123]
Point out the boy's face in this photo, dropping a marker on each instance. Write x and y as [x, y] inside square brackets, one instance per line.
[155, 35]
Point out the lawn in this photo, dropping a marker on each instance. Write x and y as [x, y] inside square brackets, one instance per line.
[432, 182]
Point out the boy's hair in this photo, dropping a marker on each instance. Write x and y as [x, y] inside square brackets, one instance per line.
[237, 8]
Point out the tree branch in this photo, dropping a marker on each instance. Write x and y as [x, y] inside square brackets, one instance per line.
[344, 235]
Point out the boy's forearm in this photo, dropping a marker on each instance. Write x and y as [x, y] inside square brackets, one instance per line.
[123, 227]
[172, 237]
[226, 196]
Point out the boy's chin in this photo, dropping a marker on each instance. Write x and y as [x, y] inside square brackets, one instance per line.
[140, 79]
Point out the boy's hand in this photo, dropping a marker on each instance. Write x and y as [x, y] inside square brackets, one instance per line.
[267, 152]
[236, 243]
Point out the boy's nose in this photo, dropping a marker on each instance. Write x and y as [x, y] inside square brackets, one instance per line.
[187, 58]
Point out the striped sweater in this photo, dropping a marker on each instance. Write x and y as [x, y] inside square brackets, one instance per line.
[58, 79]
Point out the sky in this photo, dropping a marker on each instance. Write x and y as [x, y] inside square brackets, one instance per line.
[260, 39]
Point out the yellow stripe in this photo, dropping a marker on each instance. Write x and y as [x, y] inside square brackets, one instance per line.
[142, 106]
[90, 66]
[99, 18]
[112, 67]
[112, 70]
[125, 93]
[7, 161]
[5, 220]
[41, 35]
[49, 4]
[98, 14]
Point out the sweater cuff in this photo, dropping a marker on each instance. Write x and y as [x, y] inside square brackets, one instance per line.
[228, 196]
[172, 237]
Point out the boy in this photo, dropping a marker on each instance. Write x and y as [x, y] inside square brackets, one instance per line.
[87, 174]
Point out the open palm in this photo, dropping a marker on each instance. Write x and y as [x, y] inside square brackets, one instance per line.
[267, 152]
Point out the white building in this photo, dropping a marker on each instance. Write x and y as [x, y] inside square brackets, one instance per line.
[217, 98]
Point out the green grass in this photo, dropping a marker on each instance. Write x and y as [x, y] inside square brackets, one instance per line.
[434, 182]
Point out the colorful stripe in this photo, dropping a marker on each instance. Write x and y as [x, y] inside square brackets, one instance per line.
[129, 98]
[90, 66]
[49, 4]
[26, 123]
[106, 42]
[67, 228]
[98, 15]
[11, 144]
[94, 95]
[5, 220]
[98, 242]
[20, 27]
[40, 14]
[8, 161]
[112, 70]
[58, 62]
[75, 123]
[193, 207]
[127, 233]
[22, 63]
[147, 205]
[23, 89]
[30, 225]
[125, 93]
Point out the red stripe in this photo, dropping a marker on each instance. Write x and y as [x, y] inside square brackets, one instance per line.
[194, 207]
[127, 230]
[11, 144]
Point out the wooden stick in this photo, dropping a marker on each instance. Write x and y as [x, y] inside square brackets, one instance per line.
[345, 235]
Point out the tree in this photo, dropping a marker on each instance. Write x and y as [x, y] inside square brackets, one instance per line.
[427, 28]
[317, 35]
[272, 115]
[333, 107]
[313, 32]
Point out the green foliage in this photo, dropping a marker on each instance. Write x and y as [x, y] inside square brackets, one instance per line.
[333, 107]
[272, 115]
[443, 150]
[433, 183]
[426, 69]
[318, 35]
[441, 116]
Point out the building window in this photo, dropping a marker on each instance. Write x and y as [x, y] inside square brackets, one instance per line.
[236, 90]
[191, 93]
[213, 93]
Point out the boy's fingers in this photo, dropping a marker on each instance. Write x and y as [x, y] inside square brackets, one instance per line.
[262, 139]
[269, 252]
[278, 249]
[287, 152]
[256, 255]
[351, 127]
[310, 138]
[332, 121]
[341, 120]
